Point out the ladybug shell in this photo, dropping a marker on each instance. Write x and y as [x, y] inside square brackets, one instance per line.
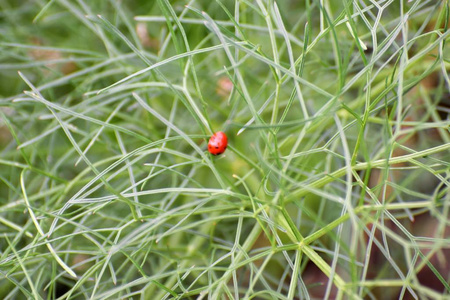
[217, 143]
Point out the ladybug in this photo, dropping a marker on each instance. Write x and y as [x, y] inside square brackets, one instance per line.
[217, 143]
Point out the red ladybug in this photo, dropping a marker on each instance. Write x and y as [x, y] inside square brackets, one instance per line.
[217, 143]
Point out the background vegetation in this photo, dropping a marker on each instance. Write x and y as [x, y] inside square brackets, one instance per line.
[335, 183]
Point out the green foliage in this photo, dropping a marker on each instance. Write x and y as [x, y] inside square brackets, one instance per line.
[335, 183]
